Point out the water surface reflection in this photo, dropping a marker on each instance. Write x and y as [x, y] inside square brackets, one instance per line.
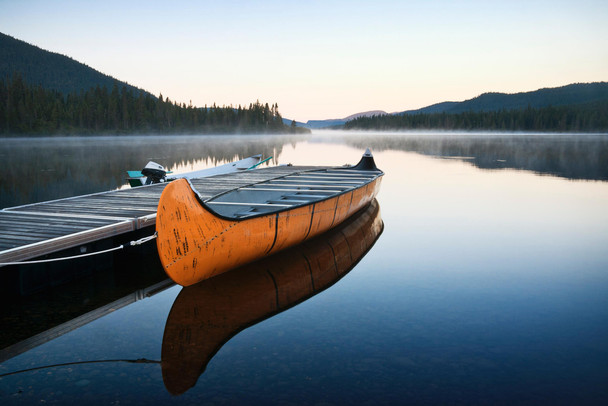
[580, 156]
[58, 307]
[206, 315]
[487, 287]
[41, 169]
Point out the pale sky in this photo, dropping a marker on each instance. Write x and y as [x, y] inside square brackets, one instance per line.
[324, 59]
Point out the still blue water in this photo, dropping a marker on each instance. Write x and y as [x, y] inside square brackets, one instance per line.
[487, 285]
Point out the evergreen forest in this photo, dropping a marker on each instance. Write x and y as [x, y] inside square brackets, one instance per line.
[587, 117]
[27, 109]
[50, 69]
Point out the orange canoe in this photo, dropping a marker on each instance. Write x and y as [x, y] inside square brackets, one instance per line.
[202, 237]
[207, 315]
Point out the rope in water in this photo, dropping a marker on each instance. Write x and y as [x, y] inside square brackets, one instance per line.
[131, 361]
[42, 261]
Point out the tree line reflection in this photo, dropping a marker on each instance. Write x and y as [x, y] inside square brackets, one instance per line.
[568, 156]
[42, 169]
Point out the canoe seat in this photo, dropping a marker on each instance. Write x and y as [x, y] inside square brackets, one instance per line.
[288, 201]
[305, 198]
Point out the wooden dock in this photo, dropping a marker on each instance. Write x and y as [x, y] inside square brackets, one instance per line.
[39, 229]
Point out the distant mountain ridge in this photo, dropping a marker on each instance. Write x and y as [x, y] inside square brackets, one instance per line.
[365, 114]
[340, 121]
[50, 70]
[573, 94]
[61, 73]
[577, 93]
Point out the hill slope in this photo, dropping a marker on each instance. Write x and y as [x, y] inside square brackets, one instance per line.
[50, 70]
[573, 94]
[316, 124]
[569, 95]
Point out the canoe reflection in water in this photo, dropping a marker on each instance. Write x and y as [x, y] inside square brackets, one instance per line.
[206, 315]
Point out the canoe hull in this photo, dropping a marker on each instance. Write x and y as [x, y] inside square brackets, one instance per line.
[195, 244]
[207, 315]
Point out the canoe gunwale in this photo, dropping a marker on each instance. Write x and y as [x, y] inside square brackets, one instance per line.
[203, 201]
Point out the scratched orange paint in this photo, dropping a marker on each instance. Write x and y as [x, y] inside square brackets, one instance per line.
[194, 244]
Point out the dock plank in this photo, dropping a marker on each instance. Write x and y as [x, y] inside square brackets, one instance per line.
[37, 229]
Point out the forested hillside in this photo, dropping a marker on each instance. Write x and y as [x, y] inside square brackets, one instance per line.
[44, 93]
[588, 117]
[27, 109]
[577, 93]
[48, 69]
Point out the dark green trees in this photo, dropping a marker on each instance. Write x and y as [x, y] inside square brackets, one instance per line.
[26, 109]
[588, 117]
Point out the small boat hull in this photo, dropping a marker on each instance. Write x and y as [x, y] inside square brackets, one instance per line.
[137, 178]
[195, 243]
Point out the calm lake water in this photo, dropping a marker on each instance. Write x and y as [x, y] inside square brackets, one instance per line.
[481, 277]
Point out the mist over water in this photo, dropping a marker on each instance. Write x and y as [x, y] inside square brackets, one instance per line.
[572, 156]
[41, 169]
